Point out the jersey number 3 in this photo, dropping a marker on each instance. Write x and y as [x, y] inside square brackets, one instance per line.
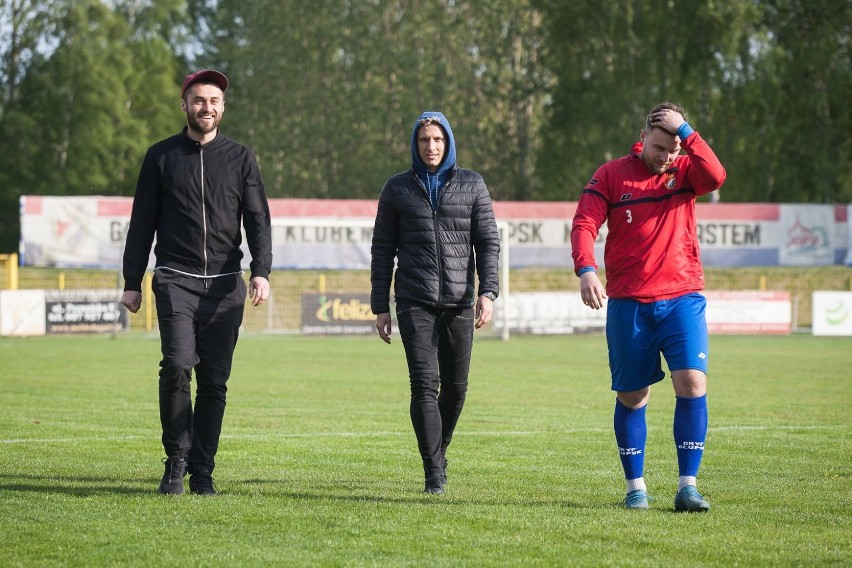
[629, 216]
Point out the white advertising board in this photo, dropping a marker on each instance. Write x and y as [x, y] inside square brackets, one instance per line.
[88, 231]
[741, 312]
[22, 312]
[749, 312]
[546, 313]
[832, 313]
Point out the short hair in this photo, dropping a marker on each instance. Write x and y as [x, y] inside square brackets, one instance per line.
[663, 106]
[430, 120]
[189, 88]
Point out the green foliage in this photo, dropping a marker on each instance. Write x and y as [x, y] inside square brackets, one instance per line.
[84, 115]
[539, 92]
[788, 137]
[327, 92]
[615, 61]
[318, 464]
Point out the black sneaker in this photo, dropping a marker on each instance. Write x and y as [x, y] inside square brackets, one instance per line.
[172, 483]
[202, 484]
[434, 484]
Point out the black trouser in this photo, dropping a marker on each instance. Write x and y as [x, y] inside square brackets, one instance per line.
[438, 345]
[199, 324]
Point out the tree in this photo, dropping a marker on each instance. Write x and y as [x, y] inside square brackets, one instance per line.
[86, 110]
[539, 92]
[788, 136]
[614, 61]
[326, 92]
[29, 23]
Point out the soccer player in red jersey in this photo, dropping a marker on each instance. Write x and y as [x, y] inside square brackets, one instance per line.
[654, 275]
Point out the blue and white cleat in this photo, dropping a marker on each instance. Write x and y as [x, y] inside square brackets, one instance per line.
[637, 499]
[689, 500]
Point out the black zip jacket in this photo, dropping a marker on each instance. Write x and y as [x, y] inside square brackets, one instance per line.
[436, 252]
[194, 198]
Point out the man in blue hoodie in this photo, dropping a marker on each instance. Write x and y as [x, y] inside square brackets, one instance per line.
[437, 222]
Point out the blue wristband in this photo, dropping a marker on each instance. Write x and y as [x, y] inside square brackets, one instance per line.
[685, 131]
[585, 269]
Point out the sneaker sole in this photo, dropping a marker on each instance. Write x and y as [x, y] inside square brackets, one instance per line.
[169, 489]
[696, 510]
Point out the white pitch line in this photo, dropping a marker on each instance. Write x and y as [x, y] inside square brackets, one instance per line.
[405, 433]
[787, 427]
[267, 436]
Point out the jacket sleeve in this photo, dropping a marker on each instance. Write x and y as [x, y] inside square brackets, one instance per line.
[383, 252]
[144, 220]
[705, 173]
[486, 242]
[256, 219]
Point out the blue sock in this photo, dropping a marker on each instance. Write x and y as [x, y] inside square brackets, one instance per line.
[690, 431]
[631, 432]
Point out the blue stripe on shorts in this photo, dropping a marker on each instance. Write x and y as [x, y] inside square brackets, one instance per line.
[637, 333]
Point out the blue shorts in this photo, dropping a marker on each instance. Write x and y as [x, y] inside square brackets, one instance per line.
[637, 333]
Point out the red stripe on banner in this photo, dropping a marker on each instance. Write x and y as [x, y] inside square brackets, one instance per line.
[32, 204]
[840, 213]
[115, 206]
[323, 208]
[749, 212]
[282, 207]
[535, 210]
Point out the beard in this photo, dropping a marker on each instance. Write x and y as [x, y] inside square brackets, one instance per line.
[202, 127]
[653, 166]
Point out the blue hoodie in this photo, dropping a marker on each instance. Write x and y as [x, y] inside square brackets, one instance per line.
[433, 182]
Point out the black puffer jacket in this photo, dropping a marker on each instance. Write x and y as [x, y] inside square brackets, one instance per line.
[436, 253]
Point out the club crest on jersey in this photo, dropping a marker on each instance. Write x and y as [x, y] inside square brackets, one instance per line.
[626, 196]
[670, 181]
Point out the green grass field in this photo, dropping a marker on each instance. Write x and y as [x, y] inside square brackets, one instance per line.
[318, 464]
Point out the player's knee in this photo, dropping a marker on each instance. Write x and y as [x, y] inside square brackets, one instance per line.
[634, 399]
[689, 383]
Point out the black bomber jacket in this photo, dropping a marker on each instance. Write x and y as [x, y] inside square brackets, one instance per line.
[194, 198]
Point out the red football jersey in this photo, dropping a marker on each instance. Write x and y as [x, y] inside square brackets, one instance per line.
[651, 250]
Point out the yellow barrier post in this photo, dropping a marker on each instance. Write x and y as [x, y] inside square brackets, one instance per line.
[149, 296]
[11, 262]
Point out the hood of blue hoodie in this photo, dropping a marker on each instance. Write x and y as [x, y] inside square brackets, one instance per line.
[449, 144]
[434, 181]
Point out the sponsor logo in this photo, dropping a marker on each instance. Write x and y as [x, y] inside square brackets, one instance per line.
[337, 314]
[702, 355]
[593, 181]
[691, 446]
[629, 451]
[626, 196]
[804, 239]
[341, 310]
[837, 313]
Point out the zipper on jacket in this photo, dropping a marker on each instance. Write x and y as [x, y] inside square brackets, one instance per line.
[437, 233]
[203, 217]
[440, 260]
